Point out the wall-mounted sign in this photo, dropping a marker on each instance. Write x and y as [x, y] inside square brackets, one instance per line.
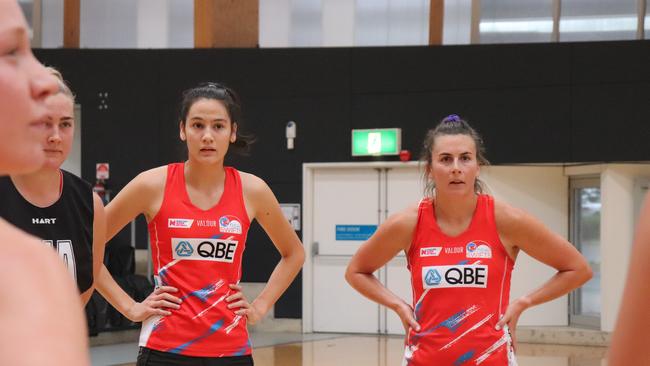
[376, 142]
[291, 212]
[102, 171]
[355, 232]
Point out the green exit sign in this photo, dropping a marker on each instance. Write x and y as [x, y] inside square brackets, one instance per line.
[376, 142]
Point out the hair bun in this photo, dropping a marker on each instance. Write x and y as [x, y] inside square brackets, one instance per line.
[451, 118]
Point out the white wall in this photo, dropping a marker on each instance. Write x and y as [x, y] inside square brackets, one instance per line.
[542, 192]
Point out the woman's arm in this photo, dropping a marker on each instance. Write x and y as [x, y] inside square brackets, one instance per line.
[143, 195]
[99, 241]
[629, 345]
[156, 303]
[267, 212]
[391, 237]
[520, 230]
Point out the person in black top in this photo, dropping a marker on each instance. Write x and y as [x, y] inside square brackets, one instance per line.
[40, 313]
[57, 206]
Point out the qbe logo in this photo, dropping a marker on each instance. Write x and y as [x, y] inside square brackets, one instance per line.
[470, 275]
[202, 249]
[184, 249]
[432, 278]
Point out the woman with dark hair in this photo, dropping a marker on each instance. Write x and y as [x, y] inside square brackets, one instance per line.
[198, 214]
[40, 314]
[461, 246]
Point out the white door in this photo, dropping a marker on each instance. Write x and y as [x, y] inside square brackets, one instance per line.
[404, 188]
[348, 199]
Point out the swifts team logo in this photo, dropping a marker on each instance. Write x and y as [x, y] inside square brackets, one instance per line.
[478, 249]
[230, 224]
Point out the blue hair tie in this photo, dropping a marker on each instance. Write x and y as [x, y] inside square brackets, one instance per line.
[451, 118]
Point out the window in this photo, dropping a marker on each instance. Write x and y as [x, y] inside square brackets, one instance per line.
[512, 21]
[391, 22]
[585, 302]
[306, 23]
[596, 20]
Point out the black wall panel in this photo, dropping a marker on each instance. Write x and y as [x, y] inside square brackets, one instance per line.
[611, 122]
[518, 125]
[533, 103]
[410, 69]
[610, 62]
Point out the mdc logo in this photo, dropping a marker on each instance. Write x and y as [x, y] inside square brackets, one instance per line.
[204, 249]
[478, 249]
[184, 249]
[180, 223]
[430, 251]
[470, 275]
[229, 224]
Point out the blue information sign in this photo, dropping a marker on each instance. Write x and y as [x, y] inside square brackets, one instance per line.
[355, 232]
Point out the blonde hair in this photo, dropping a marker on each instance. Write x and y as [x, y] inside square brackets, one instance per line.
[63, 86]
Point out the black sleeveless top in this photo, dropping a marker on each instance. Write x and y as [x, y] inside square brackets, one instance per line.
[66, 225]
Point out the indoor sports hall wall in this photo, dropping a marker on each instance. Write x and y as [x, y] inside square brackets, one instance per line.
[566, 102]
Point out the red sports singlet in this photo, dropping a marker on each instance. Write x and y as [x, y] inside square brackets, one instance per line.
[461, 288]
[200, 253]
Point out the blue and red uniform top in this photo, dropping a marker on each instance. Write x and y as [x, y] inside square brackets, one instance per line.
[461, 288]
[200, 253]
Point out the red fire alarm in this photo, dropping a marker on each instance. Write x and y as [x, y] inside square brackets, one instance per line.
[404, 155]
